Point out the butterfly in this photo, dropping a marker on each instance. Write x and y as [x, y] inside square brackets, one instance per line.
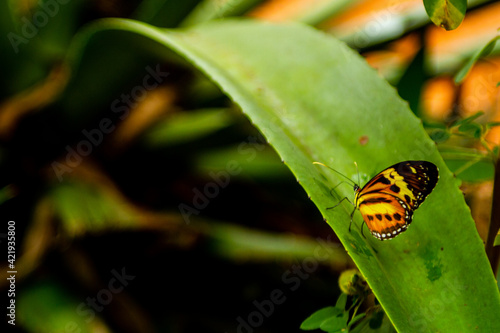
[388, 200]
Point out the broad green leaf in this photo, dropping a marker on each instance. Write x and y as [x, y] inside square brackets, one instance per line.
[314, 99]
[315, 320]
[447, 14]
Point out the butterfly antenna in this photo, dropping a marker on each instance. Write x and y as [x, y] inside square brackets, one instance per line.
[357, 170]
[350, 180]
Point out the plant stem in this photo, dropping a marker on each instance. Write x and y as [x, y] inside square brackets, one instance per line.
[493, 252]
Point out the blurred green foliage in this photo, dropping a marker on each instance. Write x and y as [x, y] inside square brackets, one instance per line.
[107, 126]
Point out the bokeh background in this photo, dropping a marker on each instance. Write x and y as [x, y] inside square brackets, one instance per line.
[180, 217]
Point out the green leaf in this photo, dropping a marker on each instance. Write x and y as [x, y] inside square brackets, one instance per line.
[341, 301]
[82, 208]
[188, 126]
[440, 135]
[313, 99]
[376, 319]
[472, 129]
[374, 322]
[356, 319]
[335, 324]
[464, 70]
[447, 14]
[254, 160]
[315, 320]
[495, 151]
[469, 169]
[492, 124]
[497, 240]
[245, 244]
[468, 119]
[45, 307]
[468, 164]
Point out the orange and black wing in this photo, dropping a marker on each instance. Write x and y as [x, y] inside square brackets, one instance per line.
[384, 215]
[387, 201]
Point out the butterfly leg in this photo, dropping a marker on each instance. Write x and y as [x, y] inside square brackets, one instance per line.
[332, 193]
[338, 203]
[352, 214]
[350, 223]
[362, 224]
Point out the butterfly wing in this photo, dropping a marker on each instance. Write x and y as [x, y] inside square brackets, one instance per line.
[384, 215]
[387, 201]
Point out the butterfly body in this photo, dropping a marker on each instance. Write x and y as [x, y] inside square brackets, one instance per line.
[388, 200]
